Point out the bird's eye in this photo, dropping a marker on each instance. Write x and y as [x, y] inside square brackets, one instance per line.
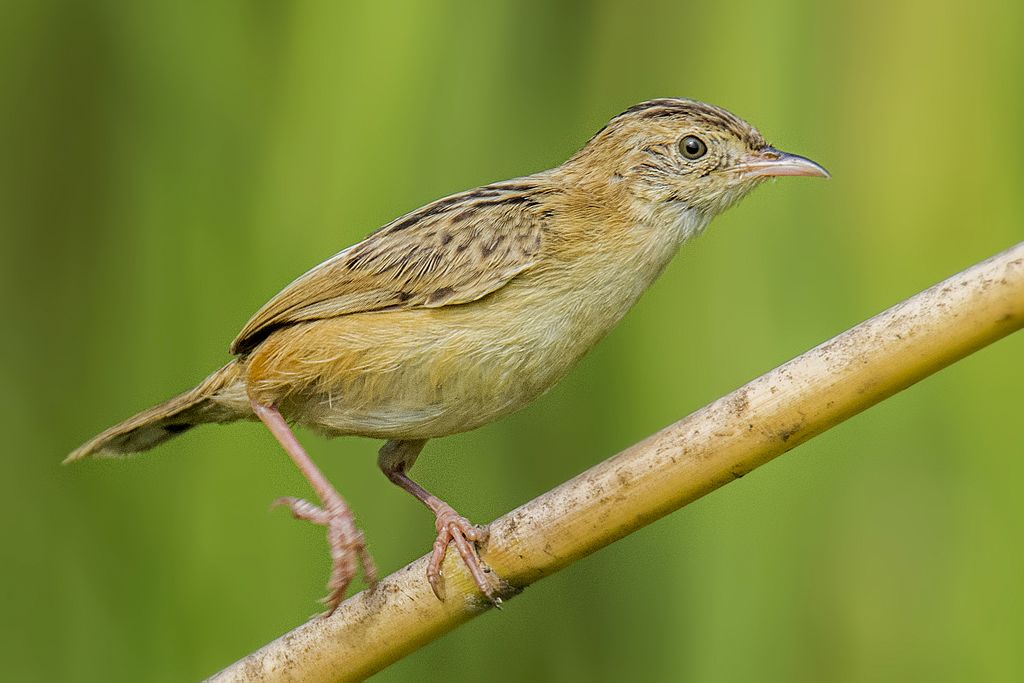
[692, 147]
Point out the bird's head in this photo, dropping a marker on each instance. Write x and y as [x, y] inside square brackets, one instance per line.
[685, 154]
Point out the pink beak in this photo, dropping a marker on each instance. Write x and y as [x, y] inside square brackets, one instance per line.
[772, 162]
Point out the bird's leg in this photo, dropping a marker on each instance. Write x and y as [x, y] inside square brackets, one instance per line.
[396, 457]
[348, 547]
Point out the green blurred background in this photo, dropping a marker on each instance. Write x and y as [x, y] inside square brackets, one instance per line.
[167, 167]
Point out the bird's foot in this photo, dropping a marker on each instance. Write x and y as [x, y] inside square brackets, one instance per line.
[454, 528]
[348, 546]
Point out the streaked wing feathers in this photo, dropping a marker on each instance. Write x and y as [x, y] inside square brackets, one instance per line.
[455, 250]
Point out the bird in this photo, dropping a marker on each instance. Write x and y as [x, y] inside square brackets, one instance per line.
[467, 309]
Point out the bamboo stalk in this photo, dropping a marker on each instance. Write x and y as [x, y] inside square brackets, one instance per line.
[711, 447]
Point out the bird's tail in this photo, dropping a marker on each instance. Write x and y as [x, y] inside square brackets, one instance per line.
[221, 397]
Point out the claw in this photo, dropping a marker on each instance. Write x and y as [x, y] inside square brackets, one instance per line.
[348, 546]
[454, 528]
[302, 509]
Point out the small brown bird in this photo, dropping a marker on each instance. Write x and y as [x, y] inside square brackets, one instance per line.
[469, 308]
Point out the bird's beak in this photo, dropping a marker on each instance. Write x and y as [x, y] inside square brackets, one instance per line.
[772, 162]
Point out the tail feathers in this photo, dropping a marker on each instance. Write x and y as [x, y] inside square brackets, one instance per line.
[221, 397]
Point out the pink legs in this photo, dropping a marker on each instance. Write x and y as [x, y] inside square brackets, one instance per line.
[395, 458]
[348, 548]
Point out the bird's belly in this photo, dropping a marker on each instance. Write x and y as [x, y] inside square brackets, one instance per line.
[427, 395]
[423, 373]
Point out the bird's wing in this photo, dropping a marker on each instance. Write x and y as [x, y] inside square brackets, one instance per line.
[455, 250]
